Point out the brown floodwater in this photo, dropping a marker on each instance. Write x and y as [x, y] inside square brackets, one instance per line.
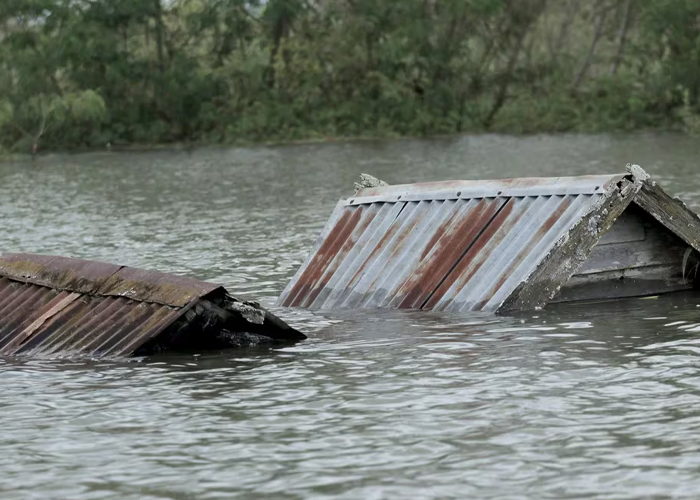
[577, 401]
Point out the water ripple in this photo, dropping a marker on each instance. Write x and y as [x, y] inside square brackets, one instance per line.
[574, 402]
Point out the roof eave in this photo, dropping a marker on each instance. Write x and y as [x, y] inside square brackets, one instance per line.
[673, 213]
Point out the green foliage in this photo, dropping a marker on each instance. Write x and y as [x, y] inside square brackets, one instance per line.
[6, 113]
[83, 73]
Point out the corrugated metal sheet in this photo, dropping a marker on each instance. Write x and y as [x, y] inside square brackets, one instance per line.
[457, 245]
[99, 278]
[58, 306]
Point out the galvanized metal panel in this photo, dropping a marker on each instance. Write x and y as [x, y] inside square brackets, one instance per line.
[518, 245]
[41, 321]
[444, 190]
[488, 244]
[449, 242]
[354, 264]
[565, 212]
[330, 224]
[406, 229]
[421, 248]
[344, 241]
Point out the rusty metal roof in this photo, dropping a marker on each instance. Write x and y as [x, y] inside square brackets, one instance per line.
[456, 245]
[58, 305]
[99, 278]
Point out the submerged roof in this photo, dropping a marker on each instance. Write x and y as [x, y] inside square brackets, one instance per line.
[57, 304]
[464, 245]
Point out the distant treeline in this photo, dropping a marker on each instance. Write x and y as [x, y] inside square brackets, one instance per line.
[88, 73]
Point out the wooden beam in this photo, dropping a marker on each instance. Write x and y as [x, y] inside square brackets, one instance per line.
[636, 282]
[571, 250]
[671, 212]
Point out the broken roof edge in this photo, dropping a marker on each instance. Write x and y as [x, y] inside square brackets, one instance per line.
[103, 279]
[527, 186]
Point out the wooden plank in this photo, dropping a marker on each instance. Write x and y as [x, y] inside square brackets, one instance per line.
[571, 250]
[629, 256]
[659, 246]
[638, 282]
[627, 228]
[671, 212]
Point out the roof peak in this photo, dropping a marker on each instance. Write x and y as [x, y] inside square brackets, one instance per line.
[466, 189]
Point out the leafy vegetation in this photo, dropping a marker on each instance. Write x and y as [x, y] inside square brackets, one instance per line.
[87, 73]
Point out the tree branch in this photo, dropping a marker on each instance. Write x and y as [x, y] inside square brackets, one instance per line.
[621, 38]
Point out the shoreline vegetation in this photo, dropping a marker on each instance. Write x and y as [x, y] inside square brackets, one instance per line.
[142, 147]
[118, 75]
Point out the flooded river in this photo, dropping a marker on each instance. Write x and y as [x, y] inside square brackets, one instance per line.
[578, 401]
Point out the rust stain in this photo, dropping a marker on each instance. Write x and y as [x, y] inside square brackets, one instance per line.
[454, 184]
[337, 259]
[123, 329]
[536, 237]
[477, 254]
[395, 226]
[448, 255]
[398, 242]
[96, 314]
[443, 228]
[336, 237]
[150, 329]
[58, 305]
[42, 321]
[448, 245]
[24, 300]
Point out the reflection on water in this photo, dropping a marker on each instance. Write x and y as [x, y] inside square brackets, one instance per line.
[578, 401]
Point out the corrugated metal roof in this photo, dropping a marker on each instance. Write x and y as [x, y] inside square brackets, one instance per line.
[457, 245]
[99, 278]
[52, 306]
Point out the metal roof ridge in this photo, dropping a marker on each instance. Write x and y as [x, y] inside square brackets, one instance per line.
[466, 189]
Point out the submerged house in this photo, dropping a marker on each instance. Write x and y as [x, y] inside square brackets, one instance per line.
[64, 307]
[500, 245]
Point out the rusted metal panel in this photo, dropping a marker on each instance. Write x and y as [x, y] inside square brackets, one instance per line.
[42, 321]
[398, 257]
[62, 273]
[64, 307]
[99, 278]
[59, 306]
[158, 288]
[453, 237]
[458, 245]
[518, 245]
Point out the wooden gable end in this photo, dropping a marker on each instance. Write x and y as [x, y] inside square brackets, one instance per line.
[638, 256]
[638, 241]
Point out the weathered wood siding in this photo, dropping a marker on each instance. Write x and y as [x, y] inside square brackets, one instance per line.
[638, 256]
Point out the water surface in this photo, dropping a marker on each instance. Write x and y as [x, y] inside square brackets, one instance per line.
[577, 401]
